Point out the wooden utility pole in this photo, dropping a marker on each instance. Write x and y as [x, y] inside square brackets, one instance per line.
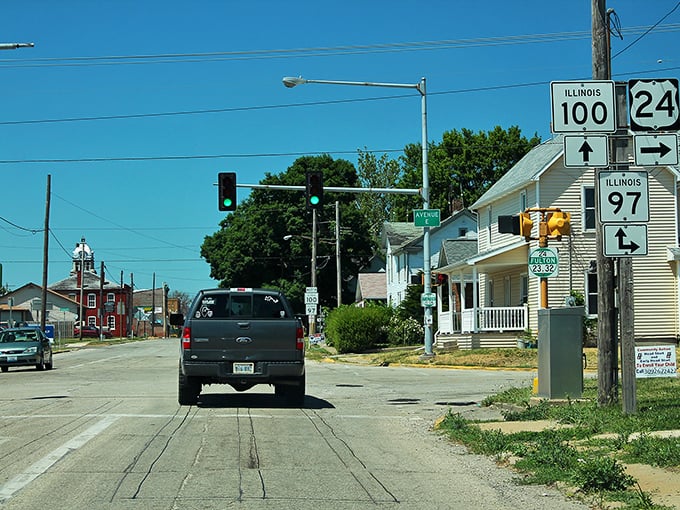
[46, 244]
[607, 366]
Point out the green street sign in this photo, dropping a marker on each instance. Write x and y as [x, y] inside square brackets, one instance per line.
[428, 299]
[543, 262]
[426, 218]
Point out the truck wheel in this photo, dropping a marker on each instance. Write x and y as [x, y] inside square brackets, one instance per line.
[296, 394]
[188, 390]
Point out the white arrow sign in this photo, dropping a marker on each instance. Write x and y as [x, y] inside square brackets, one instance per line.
[656, 150]
[590, 150]
[625, 240]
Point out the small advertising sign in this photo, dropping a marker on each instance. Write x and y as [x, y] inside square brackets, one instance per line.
[655, 361]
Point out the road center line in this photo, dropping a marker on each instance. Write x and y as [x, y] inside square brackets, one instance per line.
[23, 479]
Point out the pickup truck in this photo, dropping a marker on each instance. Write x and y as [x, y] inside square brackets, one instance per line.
[241, 337]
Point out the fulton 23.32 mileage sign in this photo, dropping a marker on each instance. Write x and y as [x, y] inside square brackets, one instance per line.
[543, 262]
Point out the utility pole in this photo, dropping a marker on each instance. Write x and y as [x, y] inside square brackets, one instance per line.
[46, 243]
[607, 366]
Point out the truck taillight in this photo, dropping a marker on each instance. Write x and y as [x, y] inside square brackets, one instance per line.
[300, 340]
[186, 338]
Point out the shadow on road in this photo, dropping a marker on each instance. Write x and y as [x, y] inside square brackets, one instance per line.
[257, 400]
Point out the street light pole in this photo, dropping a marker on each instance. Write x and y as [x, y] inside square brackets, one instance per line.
[14, 46]
[291, 81]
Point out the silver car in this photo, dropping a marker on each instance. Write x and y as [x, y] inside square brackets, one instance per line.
[20, 347]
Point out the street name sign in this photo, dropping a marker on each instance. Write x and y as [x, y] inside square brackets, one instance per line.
[656, 150]
[586, 151]
[583, 106]
[426, 217]
[654, 105]
[624, 196]
[428, 299]
[543, 262]
[624, 240]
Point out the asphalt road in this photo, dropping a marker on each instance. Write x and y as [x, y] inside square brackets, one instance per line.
[104, 430]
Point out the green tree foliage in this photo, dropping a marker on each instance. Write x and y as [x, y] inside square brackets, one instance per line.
[249, 248]
[377, 172]
[462, 167]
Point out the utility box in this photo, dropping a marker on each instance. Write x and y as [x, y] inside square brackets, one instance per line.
[560, 352]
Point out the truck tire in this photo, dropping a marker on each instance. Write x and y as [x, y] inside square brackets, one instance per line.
[296, 394]
[188, 390]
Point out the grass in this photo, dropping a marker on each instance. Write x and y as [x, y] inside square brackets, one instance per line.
[575, 456]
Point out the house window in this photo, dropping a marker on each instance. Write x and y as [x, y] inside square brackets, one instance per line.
[462, 232]
[92, 300]
[507, 291]
[523, 289]
[591, 293]
[110, 297]
[111, 322]
[91, 321]
[489, 293]
[489, 219]
[589, 208]
[523, 201]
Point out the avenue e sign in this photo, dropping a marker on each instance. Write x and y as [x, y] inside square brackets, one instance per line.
[543, 262]
[583, 106]
[426, 217]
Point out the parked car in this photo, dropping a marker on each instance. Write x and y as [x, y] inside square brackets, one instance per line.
[25, 347]
[91, 332]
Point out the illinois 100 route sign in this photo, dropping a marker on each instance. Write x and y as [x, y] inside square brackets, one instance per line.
[543, 262]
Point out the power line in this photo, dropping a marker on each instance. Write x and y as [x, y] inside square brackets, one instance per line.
[165, 58]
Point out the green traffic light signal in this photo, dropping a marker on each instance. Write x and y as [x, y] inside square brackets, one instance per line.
[226, 184]
[314, 189]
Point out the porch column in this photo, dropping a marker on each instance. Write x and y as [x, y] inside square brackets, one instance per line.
[475, 299]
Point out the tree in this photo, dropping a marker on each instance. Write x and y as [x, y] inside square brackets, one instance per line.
[462, 167]
[376, 172]
[249, 248]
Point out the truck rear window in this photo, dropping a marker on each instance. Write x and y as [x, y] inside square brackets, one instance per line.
[240, 305]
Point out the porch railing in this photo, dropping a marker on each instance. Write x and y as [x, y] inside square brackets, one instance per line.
[497, 318]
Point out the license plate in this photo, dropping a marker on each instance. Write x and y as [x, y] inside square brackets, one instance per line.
[244, 368]
[11, 359]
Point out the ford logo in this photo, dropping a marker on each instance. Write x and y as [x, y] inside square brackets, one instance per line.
[243, 340]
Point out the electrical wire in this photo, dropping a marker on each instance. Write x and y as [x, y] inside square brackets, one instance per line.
[647, 31]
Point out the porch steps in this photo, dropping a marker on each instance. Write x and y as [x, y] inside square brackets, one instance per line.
[483, 340]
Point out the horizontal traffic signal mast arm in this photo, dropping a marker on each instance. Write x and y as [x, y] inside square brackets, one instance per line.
[337, 189]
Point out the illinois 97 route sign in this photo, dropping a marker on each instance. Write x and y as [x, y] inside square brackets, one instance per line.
[624, 196]
[654, 105]
[583, 107]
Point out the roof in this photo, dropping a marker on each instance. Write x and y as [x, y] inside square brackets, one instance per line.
[526, 170]
[91, 281]
[401, 235]
[372, 286]
[456, 250]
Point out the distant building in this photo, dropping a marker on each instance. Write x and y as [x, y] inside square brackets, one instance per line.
[100, 302]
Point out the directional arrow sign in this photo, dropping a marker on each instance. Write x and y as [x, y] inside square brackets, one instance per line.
[656, 150]
[590, 150]
[625, 240]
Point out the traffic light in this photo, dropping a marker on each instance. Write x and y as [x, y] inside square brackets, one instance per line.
[518, 224]
[314, 190]
[558, 224]
[226, 183]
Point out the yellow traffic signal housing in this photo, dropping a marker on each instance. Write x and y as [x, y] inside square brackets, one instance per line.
[517, 224]
[525, 224]
[559, 224]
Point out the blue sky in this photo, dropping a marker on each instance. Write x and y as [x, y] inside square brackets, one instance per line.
[134, 172]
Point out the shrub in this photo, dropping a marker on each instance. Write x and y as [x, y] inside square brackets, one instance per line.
[406, 331]
[353, 329]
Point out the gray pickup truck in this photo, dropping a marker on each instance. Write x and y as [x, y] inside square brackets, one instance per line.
[241, 337]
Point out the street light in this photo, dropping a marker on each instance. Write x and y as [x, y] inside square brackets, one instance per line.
[291, 81]
[14, 46]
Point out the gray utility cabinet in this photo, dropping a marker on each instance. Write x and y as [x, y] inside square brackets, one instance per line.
[560, 352]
